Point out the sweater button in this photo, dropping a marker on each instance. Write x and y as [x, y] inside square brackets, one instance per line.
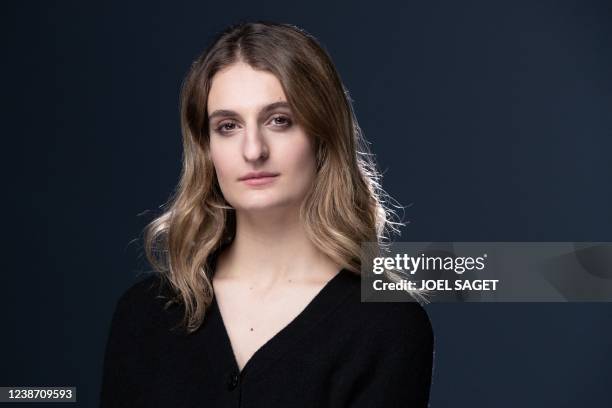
[232, 381]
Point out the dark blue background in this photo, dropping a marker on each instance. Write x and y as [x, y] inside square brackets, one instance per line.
[491, 121]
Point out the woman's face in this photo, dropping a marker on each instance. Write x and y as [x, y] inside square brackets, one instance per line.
[263, 159]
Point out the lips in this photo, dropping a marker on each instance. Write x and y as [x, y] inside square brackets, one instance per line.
[257, 175]
[260, 178]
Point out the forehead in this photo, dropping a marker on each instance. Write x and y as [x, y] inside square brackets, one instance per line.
[240, 87]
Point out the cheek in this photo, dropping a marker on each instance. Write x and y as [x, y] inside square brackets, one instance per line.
[220, 162]
[303, 159]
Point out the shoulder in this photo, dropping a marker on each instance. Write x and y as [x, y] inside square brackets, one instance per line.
[405, 321]
[144, 292]
[142, 302]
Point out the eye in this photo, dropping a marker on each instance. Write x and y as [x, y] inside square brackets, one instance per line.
[281, 121]
[225, 127]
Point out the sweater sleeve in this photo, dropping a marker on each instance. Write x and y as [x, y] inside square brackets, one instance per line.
[399, 376]
[120, 373]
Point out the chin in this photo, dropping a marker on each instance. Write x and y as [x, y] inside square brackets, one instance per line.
[265, 204]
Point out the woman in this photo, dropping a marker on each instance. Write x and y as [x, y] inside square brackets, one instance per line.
[256, 299]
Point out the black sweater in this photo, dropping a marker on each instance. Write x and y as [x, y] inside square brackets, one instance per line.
[338, 352]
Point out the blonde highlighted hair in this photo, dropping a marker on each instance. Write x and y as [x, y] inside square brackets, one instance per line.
[346, 205]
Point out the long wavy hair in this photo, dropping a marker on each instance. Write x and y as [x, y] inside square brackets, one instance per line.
[346, 205]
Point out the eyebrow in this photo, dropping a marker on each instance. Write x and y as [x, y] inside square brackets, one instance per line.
[266, 109]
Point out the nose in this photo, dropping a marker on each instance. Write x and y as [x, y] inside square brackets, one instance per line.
[254, 147]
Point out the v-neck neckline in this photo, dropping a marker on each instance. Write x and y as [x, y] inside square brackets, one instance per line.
[312, 312]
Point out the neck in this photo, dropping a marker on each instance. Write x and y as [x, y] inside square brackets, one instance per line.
[273, 248]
